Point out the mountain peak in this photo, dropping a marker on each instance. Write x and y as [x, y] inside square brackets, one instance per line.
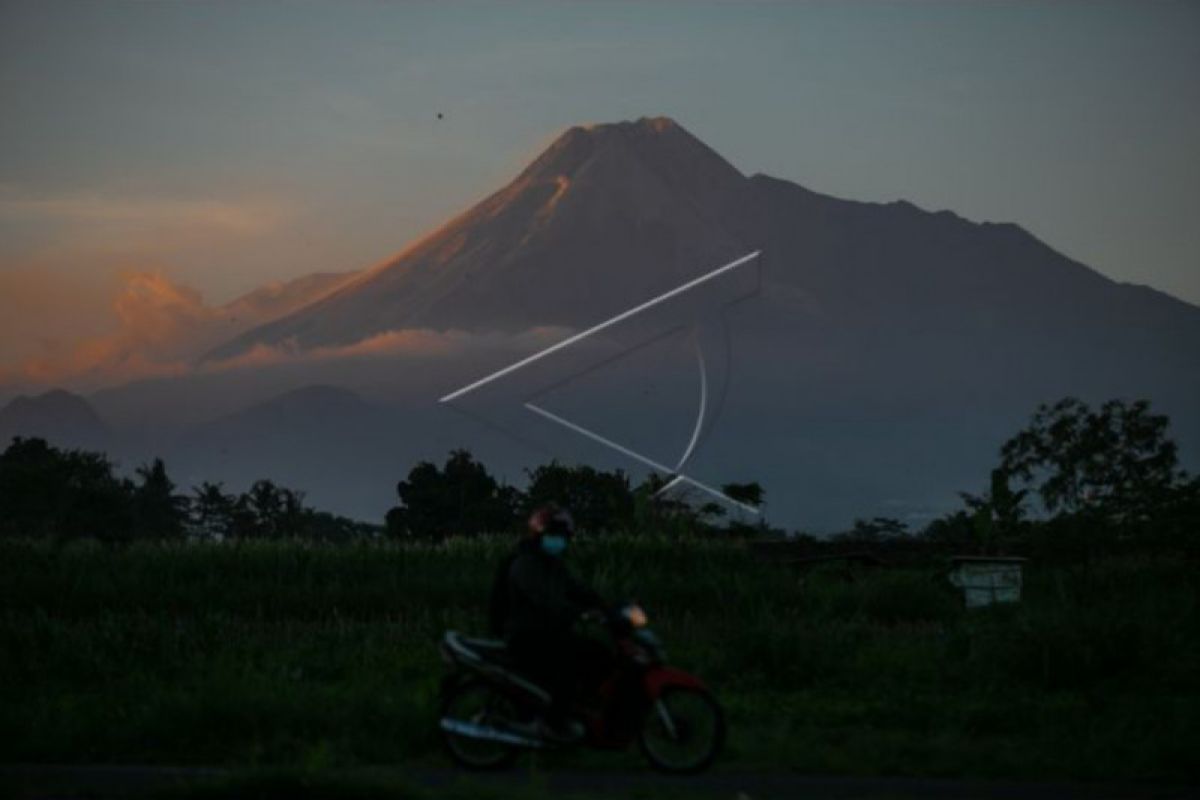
[665, 193]
[642, 125]
[658, 143]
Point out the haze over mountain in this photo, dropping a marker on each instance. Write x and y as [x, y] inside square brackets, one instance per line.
[307, 438]
[888, 354]
[62, 418]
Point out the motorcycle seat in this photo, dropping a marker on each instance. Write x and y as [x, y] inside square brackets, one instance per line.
[490, 657]
[494, 651]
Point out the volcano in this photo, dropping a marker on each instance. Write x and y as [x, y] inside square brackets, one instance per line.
[606, 215]
[889, 353]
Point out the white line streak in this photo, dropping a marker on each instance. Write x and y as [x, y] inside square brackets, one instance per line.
[597, 328]
[691, 445]
[718, 493]
[666, 487]
[582, 431]
[566, 423]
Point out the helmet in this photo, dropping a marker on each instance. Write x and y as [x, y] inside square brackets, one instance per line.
[552, 520]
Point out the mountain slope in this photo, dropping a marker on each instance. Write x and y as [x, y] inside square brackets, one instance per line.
[319, 439]
[610, 215]
[60, 417]
[607, 215]
[890, 351]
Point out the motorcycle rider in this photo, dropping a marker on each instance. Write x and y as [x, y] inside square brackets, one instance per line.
[535, 604]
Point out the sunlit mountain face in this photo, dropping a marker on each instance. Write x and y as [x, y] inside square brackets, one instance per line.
[885, 355]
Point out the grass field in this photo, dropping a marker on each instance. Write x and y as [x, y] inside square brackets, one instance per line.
[321, 657]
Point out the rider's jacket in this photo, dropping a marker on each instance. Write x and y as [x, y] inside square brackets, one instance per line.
[534, 595]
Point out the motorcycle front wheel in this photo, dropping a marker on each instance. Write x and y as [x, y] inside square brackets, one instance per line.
[683, 732]
[476, 703]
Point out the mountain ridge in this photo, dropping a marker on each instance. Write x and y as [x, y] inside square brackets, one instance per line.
[610, 214]
[889, 353]
[61, 417]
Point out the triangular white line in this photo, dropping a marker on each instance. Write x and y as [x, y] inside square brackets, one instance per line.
[570, 340]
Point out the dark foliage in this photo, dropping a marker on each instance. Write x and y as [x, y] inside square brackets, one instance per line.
[601, 502]
[1107, 479]
[461, 498]
[71, 494]
[45, 491]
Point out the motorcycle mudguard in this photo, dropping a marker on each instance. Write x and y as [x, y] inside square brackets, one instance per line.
[659, 679]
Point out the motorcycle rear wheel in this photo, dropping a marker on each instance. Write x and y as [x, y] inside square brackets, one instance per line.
[477, 702]
[684, 731]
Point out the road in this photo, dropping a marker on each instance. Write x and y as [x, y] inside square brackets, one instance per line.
[69, 782]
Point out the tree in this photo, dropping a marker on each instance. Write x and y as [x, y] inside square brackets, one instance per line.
[269, 511]
[877, 530]
[1115, 463]
[212, 511]
[996, 516]
[160, 513]
[599, 501]
[45, 491]
[461, 498]
[750, 494]
[265, 503]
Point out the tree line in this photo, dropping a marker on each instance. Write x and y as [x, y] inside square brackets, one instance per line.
[68, 494]
[58, 493]
[462, 498]
[1075, 479]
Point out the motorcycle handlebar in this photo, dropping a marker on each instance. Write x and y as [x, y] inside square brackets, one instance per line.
[612, 618]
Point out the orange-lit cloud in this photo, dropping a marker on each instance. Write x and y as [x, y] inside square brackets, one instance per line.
[421, 342]
[160, 329]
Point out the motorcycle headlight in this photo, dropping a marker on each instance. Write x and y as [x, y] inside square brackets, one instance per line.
[636, 617]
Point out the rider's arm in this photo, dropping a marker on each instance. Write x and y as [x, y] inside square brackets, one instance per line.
[583, 596]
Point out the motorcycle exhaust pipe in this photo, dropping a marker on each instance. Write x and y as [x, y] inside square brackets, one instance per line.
[475, 731]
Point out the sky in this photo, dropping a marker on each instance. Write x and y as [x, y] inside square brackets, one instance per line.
[160, 159]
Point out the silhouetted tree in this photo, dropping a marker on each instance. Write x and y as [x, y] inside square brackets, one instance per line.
[749, 493]
[875, 531]
[599, 501]
[158, 510]
[45, 491]
[1115, 463]
[212, 511]
[996, 517]
[268, 511]
[461, 498]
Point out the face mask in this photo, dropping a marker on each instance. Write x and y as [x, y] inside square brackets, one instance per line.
[554, 545]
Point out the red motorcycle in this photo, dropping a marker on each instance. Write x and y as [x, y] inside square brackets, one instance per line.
[487, 704]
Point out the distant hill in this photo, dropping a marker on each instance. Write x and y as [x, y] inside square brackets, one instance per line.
[324, 440]
[62, 418]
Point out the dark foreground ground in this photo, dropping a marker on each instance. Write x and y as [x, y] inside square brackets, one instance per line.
[60, 782]
[321, 660]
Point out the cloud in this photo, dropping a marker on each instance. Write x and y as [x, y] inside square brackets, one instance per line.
[94, 235]
[157, 323]
[413, 342]
[162, 327]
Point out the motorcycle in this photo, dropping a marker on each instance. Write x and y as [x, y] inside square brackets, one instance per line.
[487, 704]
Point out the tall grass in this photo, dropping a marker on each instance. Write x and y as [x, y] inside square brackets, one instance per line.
[289, 653]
